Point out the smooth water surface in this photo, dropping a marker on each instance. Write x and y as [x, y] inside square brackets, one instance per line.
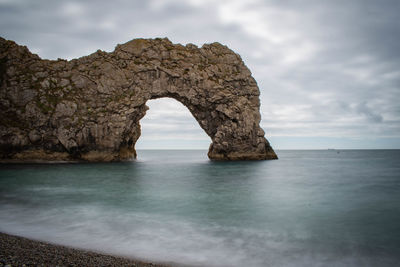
[309, 208]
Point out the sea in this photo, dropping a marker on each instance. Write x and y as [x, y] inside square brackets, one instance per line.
[309, 208]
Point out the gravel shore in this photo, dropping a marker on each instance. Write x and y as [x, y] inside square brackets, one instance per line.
[19, 251]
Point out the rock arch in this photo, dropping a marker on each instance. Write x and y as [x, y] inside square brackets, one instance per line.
[89, 108]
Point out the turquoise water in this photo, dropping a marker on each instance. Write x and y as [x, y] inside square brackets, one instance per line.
[309, 208]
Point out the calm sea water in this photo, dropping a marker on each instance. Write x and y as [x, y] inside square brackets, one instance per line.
[309, 208]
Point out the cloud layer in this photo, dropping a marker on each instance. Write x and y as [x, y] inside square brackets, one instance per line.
[326, 69]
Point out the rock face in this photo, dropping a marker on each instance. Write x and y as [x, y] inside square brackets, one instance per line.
[89, 108]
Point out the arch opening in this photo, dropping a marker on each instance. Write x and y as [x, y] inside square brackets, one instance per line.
[169, 125]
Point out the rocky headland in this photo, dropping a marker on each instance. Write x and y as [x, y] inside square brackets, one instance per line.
[89, 108]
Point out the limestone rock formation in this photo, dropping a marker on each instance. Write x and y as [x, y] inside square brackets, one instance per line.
[89, 108]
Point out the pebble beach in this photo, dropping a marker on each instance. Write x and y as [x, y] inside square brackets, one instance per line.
[19, 251]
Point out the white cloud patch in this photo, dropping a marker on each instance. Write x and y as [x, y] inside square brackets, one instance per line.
[168, 119]
[73, 9]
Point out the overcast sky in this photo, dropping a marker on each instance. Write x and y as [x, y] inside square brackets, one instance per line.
[328, 71]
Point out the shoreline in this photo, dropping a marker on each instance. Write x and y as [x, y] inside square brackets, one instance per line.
[21, 251]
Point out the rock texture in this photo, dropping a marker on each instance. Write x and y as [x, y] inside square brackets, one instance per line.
[89, 108]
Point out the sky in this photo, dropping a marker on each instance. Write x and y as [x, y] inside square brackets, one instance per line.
[328, 71]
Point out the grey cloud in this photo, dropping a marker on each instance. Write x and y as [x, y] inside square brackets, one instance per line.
[336, 73]
[372, 116]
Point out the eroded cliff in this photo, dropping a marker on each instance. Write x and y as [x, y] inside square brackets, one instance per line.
[89, 108]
